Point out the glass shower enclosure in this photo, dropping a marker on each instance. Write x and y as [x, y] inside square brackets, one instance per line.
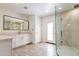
[67, 29]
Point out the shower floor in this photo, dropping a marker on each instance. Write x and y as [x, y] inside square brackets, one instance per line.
[68, 51]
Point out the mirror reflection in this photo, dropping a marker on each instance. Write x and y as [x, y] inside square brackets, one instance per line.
[12, 23]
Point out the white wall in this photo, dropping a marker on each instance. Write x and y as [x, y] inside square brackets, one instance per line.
[44, 21]
[35, 28]
[9, 13]
[32, 27]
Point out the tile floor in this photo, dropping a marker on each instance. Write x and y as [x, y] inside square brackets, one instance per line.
[68, 51]
[41, 49]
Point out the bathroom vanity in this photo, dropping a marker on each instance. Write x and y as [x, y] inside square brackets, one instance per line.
[5, 45]
[13, 40]
[21, 39]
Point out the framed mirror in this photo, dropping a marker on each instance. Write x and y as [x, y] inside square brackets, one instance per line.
[13, 23]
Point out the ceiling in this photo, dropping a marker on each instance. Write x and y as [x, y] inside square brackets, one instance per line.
[40, 9]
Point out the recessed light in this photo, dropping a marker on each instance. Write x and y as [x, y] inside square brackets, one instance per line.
[60, 8]
[68, 24]
[47, 10]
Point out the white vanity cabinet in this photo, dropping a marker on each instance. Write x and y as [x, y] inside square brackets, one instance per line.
[20, 40]
[26, 39]
[5, 45]
[14, 43]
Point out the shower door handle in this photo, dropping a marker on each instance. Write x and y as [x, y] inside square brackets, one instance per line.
[61, 33]
[61, 37]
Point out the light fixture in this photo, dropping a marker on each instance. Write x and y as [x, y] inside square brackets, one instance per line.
[47, 10]
[68, 24]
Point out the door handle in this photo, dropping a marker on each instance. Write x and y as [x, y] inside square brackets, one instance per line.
[61, 33]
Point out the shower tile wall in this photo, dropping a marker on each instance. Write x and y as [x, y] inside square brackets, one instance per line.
[70, 28]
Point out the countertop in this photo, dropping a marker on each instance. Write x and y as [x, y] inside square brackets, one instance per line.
[5, 37]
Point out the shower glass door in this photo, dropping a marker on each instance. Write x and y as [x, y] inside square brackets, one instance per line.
[57, 30]
[67, 30]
